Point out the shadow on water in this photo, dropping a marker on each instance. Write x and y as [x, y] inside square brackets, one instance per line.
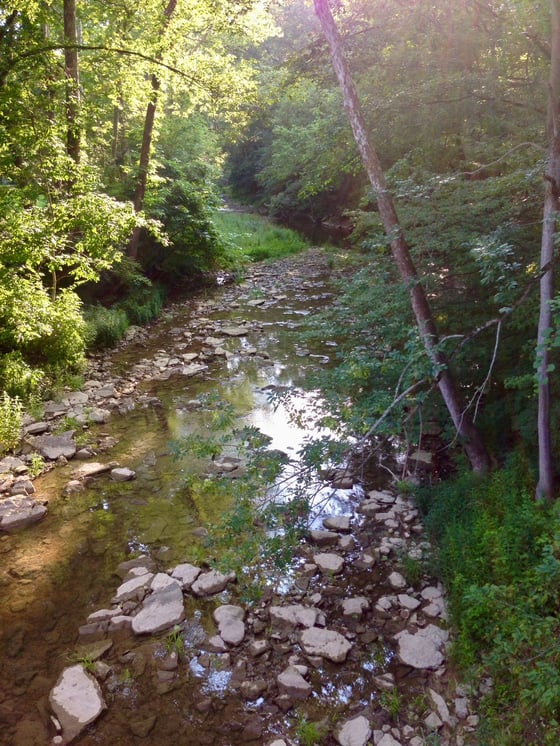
[57, 573]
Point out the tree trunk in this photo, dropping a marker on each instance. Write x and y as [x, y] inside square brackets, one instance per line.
[467, 432]
[72, 81]
[147, 137]
[545, 486]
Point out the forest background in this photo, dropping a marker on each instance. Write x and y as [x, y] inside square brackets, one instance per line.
[121, 126]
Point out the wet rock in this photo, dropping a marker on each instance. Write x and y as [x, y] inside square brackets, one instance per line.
[235, 331]
[355, 732]
[441, 707]
[329, 563]
[52, 447]
[186, 574]
[192, 369]
[103, 615]
[230, 623]
[292, 683]
[92, 469]
[388, 740]
[20, 511]
[432, 722]
[134, 589]
[161, 580]
[142, 561]
[160, 611]
[408, 602]
[216, 644]
[325, 643]
[324, 538]
[122, 474]
[462, 708]
[74, 486]
[396, 580]
[423, 649]
[142, 727]
[258, 647]
[22, 487]
[253, 689]
[35, 428]
[355, 607]
[290, 617]
[339, 523]
[76, 700]
[211, 582]
[253, 729]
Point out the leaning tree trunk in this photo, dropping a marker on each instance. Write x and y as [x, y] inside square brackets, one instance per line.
[72, 81]
[467, 432]
[147, 137]
[545, 486]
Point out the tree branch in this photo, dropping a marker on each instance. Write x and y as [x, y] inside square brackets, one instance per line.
[98, 48]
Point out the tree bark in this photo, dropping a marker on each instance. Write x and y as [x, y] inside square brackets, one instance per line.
[147, 136]
[467, 432]
[545, 486]
[73, 145]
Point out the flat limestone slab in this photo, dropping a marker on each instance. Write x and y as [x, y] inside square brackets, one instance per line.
[160, 611]
[424, 649]
[325, 642]
[76, 700]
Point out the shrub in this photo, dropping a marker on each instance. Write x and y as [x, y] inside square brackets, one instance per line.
[105, 326]
[498, 553]
[11, 414]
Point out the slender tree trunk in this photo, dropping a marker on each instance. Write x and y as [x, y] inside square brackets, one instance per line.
[545, 486]
[470, 438]
[72, 81]
[147, 137]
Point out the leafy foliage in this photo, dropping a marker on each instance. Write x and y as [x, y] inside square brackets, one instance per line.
[11, 416]
[497, 552]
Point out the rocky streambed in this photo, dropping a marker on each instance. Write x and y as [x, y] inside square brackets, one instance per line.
[139, 644]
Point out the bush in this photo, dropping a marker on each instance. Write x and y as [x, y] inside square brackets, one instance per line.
[11, 415]
[105, 326]
[17, 377]
[498, 552]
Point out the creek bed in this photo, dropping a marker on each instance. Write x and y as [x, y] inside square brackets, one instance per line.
[58, 572]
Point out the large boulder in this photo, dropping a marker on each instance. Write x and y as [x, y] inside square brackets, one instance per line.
[76, 700]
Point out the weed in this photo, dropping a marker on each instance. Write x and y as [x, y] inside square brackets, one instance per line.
[412, 568]
[390, 701]
[174, 642]
[11, 415]
[36, 465]
[87, 661]
[309, 733]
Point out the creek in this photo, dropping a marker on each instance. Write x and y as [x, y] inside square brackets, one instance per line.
[59, 571]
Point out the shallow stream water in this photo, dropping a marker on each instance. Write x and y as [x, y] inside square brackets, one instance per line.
[56, 573]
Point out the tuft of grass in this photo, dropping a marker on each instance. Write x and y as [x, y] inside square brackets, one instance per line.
[254, 238]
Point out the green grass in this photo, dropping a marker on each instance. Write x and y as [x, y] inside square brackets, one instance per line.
[254, 238]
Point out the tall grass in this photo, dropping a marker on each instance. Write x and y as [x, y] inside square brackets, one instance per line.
[253, 238]
[498, 553]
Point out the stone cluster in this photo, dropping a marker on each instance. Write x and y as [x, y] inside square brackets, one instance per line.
[283, 651]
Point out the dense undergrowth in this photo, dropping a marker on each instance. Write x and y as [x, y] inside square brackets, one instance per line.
[498, 554]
